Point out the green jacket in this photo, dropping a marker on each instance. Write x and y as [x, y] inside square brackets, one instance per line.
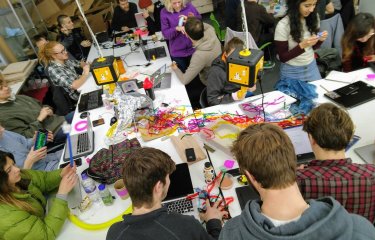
[17, 224]
[20, 116]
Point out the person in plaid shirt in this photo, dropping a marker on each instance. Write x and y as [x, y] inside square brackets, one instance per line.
[61, 70]
[332, 174]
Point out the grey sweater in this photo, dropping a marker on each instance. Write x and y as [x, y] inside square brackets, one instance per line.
[324, 219]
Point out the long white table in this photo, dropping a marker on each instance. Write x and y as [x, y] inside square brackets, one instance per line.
[177, 95]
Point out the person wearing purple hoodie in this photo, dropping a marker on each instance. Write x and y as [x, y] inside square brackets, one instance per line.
[180, 46]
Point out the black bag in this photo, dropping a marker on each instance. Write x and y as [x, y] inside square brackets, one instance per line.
[328, 59]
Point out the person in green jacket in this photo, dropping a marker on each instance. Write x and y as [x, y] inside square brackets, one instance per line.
[23, 203]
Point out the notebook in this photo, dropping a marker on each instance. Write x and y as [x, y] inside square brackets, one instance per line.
[301, 143]
[82, 143]
[141, 21]
[90, 100]
[366, 153]
[352, 95]
[162, 80]
[180, 187]
[341, 77]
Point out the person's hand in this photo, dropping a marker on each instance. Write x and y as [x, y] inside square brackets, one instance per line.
[85, 43]
[180, 29]
[86, 69]
[370, 58]
[308, 42]
[44, 113]
[252, 89]
[68, 169]
[125, 29]
[35, 155]
[212, 212]
[145, 13]
[324, 36]
[67, 183]
[50, 136]
[174, 66]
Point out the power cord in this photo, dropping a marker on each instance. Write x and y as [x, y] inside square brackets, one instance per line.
[260, 75]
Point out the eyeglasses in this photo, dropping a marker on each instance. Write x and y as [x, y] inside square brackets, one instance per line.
[62, 51]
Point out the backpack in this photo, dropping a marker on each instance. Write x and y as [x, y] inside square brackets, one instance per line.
[106, 165]
[328, 59]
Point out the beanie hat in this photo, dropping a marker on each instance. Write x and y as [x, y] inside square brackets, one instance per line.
[144, 3]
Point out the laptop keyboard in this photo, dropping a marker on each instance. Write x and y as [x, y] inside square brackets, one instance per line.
[179, 206]
[83, 144]
[90, 101]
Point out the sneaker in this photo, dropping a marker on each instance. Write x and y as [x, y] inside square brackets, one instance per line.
[268, 64]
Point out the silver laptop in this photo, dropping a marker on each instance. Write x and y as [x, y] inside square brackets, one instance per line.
[366, 153]
[82, 143]
[162, 79]
[301, 143]
[141, 21]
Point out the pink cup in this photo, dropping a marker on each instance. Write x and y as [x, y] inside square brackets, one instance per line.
[120, 189]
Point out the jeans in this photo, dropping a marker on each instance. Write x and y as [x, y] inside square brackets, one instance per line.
[305, 73]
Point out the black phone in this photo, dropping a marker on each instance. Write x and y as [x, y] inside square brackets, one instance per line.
[77, 161]
[190, 154]
[234, 172]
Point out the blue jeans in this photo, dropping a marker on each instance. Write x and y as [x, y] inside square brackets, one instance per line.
[182, 62]
[305, 73]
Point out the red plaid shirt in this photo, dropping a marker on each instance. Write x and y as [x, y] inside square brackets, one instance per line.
[353, 185]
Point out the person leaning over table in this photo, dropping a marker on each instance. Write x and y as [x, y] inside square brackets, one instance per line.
[219, 90]
[23, 202]
[151, 13]
[24, 154]
[180, 46]
[266, 156]
[151, 168]
[25, 115]
[61, 70]
[123, 17]
[296, 39]
[332, 173]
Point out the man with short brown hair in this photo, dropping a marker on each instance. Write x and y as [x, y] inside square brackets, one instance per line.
[146, 176]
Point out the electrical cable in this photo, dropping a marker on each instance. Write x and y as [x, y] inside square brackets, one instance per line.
[261, 90]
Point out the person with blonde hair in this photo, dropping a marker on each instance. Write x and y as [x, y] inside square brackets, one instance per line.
[180, 46]
[23, 202]
[61, 70]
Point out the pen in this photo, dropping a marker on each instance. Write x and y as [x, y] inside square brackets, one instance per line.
[324, 88]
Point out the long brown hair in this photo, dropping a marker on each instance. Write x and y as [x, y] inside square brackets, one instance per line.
[6, 191]
[358, 27]
[46, 52]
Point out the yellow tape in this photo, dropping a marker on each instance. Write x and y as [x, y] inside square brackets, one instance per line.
[98, 226]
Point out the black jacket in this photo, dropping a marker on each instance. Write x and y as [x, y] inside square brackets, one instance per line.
[121, 18]
[153, 25]
[72, 43]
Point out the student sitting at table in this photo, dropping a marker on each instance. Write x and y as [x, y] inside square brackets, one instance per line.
[266, 156]
[207, 48]
[25, 115]
[72, 38]
[151, 12]
[333, 174]
[296, 39]
[123, 17]
[219, 90]
[23, 213]
[61, 70]
[24, 154]
[358, 42]
[150, 168]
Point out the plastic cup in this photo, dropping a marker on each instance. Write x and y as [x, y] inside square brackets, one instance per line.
[121, 190]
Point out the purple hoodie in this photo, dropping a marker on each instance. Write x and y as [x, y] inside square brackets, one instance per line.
[179, 44]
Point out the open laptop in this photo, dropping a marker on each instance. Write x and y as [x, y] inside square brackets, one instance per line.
[162, 79]
[82, 143]
[366, 153]
[151, 52]
[180, 187]
[141, 21]
[301, 143]
[90, 100]
[352, 95]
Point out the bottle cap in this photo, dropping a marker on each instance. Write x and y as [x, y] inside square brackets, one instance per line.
[147, 84]
[101, 187]
[84, 176]
[207, 164]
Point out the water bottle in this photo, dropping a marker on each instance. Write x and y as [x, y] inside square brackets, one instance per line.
[91, 190]
[105, 195]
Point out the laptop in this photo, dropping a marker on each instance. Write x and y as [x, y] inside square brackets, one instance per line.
[162, 79]
[180, 187]
[366, 153]
[82, 143]
[246, 193]
[352, 95]
[301, 143]
[90, 100]
[141, 21]
[152, 52]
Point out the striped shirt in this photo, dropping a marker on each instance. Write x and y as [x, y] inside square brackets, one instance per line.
[353, 185]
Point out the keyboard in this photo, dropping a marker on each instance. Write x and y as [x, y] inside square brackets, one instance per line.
[179, 206]
[91, 100]
[83, 143]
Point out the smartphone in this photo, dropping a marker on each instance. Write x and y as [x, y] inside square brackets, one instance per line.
[98, 122]
[353, 141]
[234, 172]
[190, 154]
[41, 139]
[78, 162]
[319, 34]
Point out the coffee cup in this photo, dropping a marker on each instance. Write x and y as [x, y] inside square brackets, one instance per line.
[120, 189]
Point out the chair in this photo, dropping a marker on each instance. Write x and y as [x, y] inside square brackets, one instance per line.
[203, 98]
[220, 33]
[61, 99]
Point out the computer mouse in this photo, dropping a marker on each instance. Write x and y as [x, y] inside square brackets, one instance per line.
[113, 121]
[84, 115]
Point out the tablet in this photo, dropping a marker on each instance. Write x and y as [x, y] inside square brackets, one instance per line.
[301, 143]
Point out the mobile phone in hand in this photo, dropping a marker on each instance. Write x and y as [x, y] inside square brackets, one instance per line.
[41, 139]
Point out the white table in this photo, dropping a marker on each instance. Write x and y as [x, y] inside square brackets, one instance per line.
[362, 121]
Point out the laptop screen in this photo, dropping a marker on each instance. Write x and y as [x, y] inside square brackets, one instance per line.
[181, 184]
[300, 142]
[157, 76]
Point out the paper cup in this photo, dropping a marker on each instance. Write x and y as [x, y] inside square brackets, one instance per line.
[121, 190]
